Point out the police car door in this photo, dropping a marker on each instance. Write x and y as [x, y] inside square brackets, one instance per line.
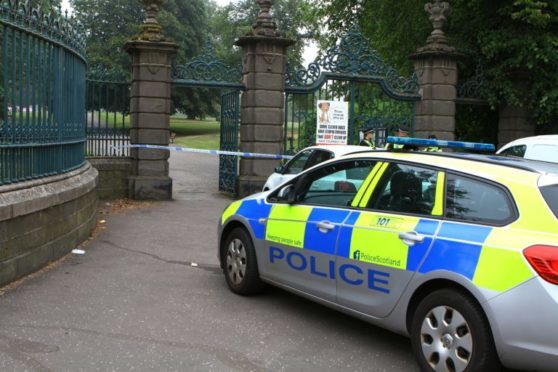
[383, 244]
[301, 237]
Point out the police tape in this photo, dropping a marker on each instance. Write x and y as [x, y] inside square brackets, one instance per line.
[210, 152]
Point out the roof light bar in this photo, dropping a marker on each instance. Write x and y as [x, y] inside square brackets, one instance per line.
[423, 142]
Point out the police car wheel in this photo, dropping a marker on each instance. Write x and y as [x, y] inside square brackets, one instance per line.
[450, 332]
[240, 265]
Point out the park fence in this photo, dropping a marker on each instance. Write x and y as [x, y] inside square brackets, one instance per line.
[107, 113]
[42, 93]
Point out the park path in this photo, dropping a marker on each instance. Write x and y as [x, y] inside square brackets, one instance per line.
[148, 295]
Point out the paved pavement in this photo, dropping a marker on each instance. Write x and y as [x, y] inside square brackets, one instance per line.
[135, 302]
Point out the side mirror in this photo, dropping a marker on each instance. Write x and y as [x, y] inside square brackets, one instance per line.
[279, 169]
[299, 188]
[287, 193]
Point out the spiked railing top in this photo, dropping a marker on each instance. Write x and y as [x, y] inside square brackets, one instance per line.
[51, 25]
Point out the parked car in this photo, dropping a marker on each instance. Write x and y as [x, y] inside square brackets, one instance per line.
[307, 158]
[543, 148]
[458, 251]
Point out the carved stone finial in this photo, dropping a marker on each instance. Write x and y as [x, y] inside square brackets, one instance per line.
[438, 12]
[265, 25]
[151, 30]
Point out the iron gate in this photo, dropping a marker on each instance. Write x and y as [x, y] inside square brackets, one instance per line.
[473, 111]
[230, 123]
[207, 71]
[350, 71]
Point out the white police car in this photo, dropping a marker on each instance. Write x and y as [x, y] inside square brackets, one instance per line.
[307, 158]
[458, 251]
[544, 148]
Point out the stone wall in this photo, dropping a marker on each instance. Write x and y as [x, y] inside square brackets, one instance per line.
[42, 220]
[114, 173]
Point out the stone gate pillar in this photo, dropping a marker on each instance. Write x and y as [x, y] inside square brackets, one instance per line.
[263, 101]
[436, 68]
[515, 121]
[152, 57]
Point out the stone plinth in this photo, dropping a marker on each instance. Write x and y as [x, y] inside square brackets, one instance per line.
[114, 175]
[149, 118]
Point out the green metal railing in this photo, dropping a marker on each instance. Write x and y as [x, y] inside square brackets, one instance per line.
[107, 113]
[42, 93]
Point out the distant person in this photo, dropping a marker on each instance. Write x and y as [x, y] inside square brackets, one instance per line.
[400, 132]
[433, 148]
[324, 112]
[368, 139]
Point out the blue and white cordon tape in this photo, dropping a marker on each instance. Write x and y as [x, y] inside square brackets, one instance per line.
[210, 152]
[423, 142]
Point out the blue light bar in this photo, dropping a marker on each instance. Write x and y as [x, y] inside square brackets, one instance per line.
[423, 142]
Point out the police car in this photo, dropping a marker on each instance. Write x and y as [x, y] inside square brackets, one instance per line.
[457, 251]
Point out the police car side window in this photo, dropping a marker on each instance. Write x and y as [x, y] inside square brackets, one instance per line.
[473, 200]
[334, 185]
[405, 188]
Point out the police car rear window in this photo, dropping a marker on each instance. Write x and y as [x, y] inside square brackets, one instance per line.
[550, 195]
[469, 199]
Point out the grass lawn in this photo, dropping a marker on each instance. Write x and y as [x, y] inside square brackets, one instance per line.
[185, 127]
[199, 134]
[207, 142]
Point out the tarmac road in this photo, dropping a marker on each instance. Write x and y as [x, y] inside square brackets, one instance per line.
[134, 302]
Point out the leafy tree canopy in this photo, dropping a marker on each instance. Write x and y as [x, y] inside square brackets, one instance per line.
[511, 39]
[296, 19]
[109, 24]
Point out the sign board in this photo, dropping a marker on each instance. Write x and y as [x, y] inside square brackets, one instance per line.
[333, 123]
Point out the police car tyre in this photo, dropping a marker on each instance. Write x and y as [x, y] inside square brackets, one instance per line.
[239, 263]
[449, 332]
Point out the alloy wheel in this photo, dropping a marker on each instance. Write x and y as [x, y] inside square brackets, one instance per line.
[236, 261]
[446, 340]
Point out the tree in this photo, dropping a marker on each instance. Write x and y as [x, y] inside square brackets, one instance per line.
[296, 19]
[509, 38]
[109, 24]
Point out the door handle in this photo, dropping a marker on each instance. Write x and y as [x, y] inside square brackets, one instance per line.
[325, 226]
[410, 238]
